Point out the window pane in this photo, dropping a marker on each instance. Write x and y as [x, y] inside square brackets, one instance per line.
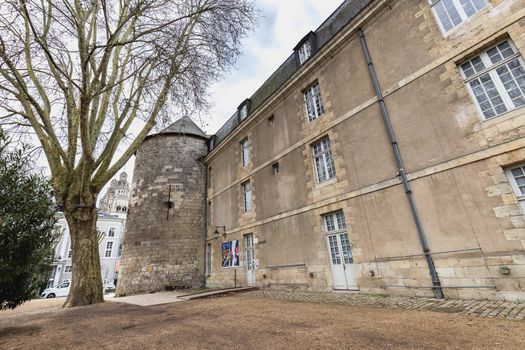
[314, 102]
[487, 95]
[319, 166]
[500, 52]
[520, 181]
[305, 51]
[334, 250]
[448, 14]
[468, 7]
[347, 251]
[330, 165]
[472, 6]
[517, 172]
[330, 224]
[512, 76]
[473, 66]
[341, 220]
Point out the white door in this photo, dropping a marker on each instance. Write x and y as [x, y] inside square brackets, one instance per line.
[343, 269]
[250, 256]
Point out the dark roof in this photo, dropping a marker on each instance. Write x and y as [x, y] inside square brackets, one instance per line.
[184, 126]
[346, 12]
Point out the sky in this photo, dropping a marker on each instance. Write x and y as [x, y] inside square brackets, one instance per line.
[281, 26]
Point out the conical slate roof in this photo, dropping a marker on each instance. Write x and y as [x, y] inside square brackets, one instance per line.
[184, 126]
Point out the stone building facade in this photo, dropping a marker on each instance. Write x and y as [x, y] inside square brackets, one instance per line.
[165, 229]
[385, 155]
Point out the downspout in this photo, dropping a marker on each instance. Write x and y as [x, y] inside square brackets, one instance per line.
[205, 223]
[436, 285]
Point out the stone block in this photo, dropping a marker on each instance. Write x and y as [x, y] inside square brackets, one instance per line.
[506, 211]
[517, 234]
[446, 271]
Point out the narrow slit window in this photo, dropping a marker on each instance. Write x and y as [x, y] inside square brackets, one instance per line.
[245, 152]
[247, 196]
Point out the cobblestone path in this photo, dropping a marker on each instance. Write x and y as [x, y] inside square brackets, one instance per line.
[483, 308]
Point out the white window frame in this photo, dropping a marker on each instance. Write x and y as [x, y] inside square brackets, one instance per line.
[459, 8]
[245, 152]
[335, 224]
[490, 68]
[247, 196]
[512, 179]
[515, 187]
[68, 268]
[313, 101]
[326, 157]
[305, 51]
[111, 232]
[109, 249]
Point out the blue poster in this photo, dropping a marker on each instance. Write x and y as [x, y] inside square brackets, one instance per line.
[230, 254]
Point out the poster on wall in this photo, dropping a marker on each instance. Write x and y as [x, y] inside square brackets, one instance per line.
[230, 254]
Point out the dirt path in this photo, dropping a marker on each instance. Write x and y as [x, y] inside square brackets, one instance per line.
[251, 323]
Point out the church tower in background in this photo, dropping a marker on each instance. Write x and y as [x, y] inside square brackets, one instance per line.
[116, 199]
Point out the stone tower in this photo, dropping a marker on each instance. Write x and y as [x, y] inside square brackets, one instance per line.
[164, 246]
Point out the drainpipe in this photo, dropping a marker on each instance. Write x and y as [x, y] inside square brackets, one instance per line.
[436, 285]
[205, 222]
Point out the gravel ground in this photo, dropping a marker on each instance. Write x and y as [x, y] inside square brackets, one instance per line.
[244, 322]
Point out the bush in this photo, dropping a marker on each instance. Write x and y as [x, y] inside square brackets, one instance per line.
[27, 218]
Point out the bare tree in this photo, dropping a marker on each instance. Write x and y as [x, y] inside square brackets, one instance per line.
[83, 74]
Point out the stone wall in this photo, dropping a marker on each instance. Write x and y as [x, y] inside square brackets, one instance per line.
[164, 248]
[454, 159]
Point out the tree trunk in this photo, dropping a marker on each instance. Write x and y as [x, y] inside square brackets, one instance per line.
[86, 283]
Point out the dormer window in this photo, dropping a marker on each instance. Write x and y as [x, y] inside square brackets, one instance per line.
[243, 110]
[305, 49]
[451, 13]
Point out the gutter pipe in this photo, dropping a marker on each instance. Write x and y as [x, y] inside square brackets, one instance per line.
[436, 284]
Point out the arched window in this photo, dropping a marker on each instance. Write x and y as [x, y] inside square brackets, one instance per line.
[119, 208]
[124, 209]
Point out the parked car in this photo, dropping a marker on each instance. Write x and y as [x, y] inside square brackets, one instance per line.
[109, 287]
[62, 290]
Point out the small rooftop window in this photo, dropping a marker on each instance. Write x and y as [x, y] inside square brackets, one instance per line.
[243, 109]
[305, 49]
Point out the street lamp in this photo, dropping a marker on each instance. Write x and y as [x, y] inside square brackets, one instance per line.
[217, 232]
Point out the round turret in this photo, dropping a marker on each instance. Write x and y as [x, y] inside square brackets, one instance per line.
[165, 230]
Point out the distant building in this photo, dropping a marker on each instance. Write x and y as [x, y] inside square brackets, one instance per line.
[111, 228]
[116, 199]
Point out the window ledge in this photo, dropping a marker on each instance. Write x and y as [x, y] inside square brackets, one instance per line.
[517, 112]
[326, 183]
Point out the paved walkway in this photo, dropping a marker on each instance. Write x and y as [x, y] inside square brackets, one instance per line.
[160, 298]
[149, 299]
[483, 308]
